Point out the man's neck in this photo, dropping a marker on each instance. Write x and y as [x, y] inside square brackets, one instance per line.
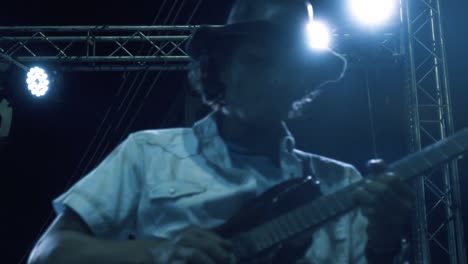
[259, 138]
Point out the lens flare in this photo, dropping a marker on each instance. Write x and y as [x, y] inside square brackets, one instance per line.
[318, 35]
[372, 12]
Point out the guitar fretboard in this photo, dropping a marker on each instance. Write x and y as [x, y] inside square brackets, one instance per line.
[431, 156]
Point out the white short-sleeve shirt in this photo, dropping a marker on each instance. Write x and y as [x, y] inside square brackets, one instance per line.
[158, 182]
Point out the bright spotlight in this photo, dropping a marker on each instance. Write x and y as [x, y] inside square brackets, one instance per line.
[318, 35]
[38, 81]
[372, 12]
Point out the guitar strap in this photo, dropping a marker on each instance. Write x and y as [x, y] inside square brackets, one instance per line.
[307, 171]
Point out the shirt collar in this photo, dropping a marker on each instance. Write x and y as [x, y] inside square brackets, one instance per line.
[206, 128]
[215, 150]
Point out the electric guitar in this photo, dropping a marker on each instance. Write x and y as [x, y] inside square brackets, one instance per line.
[262, 231]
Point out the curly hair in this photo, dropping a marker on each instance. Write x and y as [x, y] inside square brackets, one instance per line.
[204, 74]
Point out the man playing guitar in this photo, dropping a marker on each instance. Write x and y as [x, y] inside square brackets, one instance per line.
[170, 189]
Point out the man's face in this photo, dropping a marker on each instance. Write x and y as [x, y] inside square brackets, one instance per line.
[263, 79]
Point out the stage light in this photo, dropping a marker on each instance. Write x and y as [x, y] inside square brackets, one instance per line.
[318, 35]
[372, 12]
[38, 81]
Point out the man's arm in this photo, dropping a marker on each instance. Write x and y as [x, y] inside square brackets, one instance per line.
[70, 240]
[387, 201]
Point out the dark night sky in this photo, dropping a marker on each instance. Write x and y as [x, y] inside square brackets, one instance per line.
[49, 136]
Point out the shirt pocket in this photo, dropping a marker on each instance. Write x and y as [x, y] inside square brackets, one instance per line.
[175, 189]
[173, 206]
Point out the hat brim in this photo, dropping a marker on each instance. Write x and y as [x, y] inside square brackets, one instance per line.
[207, 39]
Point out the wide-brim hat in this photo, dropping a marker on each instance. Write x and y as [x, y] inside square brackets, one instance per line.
[272, 19]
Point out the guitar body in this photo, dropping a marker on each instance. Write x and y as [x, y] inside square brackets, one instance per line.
[274, 202]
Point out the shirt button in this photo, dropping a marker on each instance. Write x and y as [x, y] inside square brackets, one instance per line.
[172, 191]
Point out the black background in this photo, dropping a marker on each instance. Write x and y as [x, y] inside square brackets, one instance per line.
[49, 136]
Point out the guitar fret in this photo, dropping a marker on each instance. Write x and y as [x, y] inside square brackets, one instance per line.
[302, 217]
[432, 156]
[464, 143]
[346, 200]
[255, 241]
[424, 158]
[442, 150]
[270, 233]
[418, 166]
[323, 211]
[400, 169]
[311, 211]
[296, 224]
[412, 169]
[453, 147]
[287, 221]
[261, 238]
[458, 145]
[268, 239]
[343, 200]
[283, 226]
[275, 233]
[293, 223]
[336, 205]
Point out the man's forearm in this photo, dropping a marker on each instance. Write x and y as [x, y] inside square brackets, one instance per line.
[72, 247]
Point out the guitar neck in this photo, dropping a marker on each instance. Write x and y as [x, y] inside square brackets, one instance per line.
[323, 209]
[432, 156]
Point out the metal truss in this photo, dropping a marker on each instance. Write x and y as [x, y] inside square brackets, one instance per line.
[381, 50]
[97, 48]
[438, 221]
[116, 48]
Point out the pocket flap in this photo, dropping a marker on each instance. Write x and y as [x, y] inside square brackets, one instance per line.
[174, 189]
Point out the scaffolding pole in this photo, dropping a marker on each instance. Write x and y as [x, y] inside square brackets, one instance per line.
[438, 226]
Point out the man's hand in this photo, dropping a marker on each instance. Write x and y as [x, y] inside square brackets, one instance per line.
[194, 246]
[387, 202]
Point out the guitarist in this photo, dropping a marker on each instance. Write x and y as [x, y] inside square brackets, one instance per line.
[168, 188]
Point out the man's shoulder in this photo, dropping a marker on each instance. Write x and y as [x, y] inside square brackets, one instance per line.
[160, 136]
[331, 170]
[179, 141]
